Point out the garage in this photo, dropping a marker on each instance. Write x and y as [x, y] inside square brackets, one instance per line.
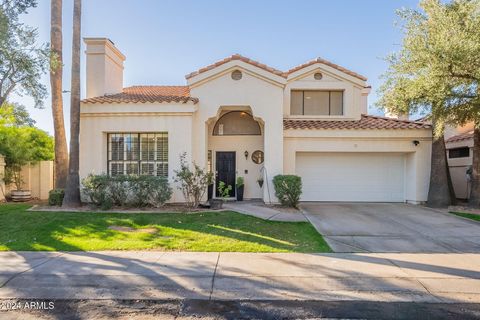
[370, 177]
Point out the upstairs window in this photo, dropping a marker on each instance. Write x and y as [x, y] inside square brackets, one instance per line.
[463, 152]
[316, 103]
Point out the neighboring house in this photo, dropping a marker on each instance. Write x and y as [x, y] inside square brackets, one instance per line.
[459, 145]
[238, 117]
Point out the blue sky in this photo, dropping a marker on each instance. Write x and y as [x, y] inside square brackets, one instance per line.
[165, 40]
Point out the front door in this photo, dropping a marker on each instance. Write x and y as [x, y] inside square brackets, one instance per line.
[225, 167]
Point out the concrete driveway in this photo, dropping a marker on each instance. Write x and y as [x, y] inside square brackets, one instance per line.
[387, 227]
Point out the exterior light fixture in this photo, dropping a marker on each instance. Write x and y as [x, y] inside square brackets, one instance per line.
[246, 154]
[416, 142]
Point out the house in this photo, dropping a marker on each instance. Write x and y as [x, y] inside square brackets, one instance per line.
[459, 145]
[239, 117]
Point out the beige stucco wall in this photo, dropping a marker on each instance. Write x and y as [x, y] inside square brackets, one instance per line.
[458, 168]
[37, 177]
[99, 120]
[354, 92]
[263, 96]
[389, 141]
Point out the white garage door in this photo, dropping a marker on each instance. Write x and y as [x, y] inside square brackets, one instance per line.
[376, 177]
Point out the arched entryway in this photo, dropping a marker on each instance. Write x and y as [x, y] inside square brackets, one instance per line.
[235, 149]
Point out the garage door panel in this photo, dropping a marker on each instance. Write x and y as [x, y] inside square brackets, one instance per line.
[351, 176]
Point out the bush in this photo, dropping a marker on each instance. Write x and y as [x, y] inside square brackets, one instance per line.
[193, 183]
[288, 189]
[126, 190]
[55, 197]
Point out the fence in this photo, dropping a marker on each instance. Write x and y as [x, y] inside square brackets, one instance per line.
[37, 177]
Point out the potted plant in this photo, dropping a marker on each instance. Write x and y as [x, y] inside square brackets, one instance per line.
[224, 192]
[13, 176]
[240, 186]
[260, 182]
[211, 183]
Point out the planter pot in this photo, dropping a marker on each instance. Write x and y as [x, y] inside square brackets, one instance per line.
[210, 192]
[20, 195]
[216, 204]
[240, 193]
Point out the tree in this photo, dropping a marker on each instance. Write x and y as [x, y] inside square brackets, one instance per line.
[72, 192]
[20, 146]
[22, 62]
[56, 69]
[437, 71]
[15, 114]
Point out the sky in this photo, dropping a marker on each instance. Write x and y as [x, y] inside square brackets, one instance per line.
[164, 40]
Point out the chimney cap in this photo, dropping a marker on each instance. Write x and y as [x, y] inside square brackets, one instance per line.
[103, 41]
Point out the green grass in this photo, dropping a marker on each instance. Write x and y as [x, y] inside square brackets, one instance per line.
[468, 215]
[210, 231]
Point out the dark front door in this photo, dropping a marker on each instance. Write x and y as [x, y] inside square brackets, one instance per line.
[225, 167]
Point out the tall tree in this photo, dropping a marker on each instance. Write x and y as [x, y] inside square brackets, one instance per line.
[437, 70]
[72, 192]
[56, 69]
[22, 61]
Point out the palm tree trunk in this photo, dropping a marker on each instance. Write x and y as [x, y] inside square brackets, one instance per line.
[56, 69]
[439, 193]
[72, 192]
[474, 200]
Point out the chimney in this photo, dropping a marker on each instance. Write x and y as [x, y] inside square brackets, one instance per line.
[104, 67]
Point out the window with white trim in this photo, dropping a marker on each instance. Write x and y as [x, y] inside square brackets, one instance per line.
[138, 153]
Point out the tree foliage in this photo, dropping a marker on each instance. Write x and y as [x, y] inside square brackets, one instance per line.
[15, 114]
[437, 69]
[22, 60]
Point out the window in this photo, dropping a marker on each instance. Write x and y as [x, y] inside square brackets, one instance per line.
[463, 152]
[236, 123]
[314, 103]
[138, 153]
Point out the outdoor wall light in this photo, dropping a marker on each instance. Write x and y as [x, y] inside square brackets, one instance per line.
[416, 142]
[246, 154]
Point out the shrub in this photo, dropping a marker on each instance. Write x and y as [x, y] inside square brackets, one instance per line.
[126, 190]
[193, 183]
[288, 189]
[96, 188]
[159, 193]
[224, 190]
[55, 197]
[240, 182]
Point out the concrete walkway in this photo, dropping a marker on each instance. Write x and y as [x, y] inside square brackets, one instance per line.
[260, 210]
[429, 278]
[392, 227]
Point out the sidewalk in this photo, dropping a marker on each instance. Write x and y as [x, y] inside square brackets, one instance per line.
[240, 276]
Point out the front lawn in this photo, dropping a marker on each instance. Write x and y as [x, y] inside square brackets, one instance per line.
[468, 215]
[210, 231]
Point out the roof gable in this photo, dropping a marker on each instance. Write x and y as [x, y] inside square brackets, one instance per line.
[283, 74]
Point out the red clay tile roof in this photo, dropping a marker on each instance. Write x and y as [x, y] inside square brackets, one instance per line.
[366, 122]
[460, 137]
[143, 94]
[330, 64]
[273, 70]
[237, 57]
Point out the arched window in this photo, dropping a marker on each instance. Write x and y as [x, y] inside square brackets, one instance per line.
[236, 123]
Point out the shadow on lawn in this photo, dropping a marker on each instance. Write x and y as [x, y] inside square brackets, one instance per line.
[25, 230]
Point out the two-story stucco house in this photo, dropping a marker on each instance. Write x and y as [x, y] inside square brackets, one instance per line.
[239, 117]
